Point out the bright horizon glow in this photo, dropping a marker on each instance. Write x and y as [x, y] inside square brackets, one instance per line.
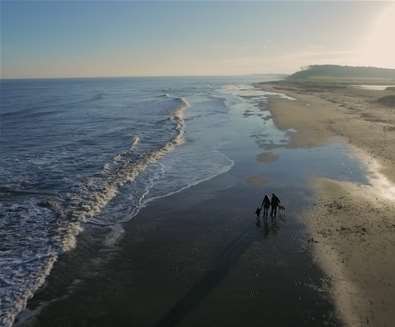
[379, 46]
[108, 39]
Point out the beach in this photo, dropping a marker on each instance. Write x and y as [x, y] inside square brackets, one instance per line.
[194, 256]
[348, 112]
[191, 254]
[194, 259]
[352, 224]
[197, 164]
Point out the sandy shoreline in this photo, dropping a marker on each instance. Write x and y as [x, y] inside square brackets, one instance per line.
[352, 226]
[350, 113]
[197, 259]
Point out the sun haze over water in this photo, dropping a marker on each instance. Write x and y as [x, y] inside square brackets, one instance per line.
[66, 39]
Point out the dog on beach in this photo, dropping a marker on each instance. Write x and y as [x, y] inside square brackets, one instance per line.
[281, 210]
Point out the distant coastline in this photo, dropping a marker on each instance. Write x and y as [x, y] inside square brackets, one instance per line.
[337, 74]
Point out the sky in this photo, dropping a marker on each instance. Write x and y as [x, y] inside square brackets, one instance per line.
[42, 39]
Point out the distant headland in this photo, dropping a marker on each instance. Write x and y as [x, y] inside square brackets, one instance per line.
[339, 73]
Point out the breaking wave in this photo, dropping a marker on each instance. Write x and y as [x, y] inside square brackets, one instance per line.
[52, 222]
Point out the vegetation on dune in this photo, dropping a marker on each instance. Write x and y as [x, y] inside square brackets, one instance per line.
[388, 100]
[344, 74]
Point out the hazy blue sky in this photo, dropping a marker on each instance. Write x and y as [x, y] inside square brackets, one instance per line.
[98, 38]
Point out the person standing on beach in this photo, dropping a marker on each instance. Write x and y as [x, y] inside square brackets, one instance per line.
[265, 205]
[275, 201]
[258, 213]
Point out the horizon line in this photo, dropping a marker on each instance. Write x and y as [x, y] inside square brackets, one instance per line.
[134, 76]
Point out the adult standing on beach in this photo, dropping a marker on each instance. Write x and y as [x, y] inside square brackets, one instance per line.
[265, 205]
[275, 201]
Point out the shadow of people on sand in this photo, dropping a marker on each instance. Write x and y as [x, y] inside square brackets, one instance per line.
[218, 271]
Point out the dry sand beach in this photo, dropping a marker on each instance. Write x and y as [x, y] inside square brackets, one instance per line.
[352, 225]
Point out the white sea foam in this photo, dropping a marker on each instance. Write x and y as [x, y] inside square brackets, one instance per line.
[23, 271]
[96, 192]
[250, 91]
[224, 169]
[135, 142]
[373, 87]
[21, 274]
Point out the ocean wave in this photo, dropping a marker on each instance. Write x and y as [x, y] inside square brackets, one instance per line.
[165, 95]
[141, 198]
[25, 261]
[95, 192]
[36, 111]
[53, 224]
[11, 191]
[228, 166]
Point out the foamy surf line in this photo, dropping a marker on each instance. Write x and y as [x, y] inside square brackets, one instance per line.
[117, 230]
[115, 176]
[89, 199]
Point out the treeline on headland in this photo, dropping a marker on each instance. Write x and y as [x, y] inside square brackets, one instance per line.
[345, 73]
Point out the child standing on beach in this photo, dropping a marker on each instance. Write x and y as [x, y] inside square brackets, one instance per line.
[258, 213]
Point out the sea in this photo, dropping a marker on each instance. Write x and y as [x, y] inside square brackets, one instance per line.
[95, 151]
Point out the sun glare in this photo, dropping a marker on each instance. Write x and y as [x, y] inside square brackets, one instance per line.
[378, 49]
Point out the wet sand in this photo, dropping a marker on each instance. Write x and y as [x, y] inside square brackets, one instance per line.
[352, 225]
[266, 157]
[348, 112]
[197, 259]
